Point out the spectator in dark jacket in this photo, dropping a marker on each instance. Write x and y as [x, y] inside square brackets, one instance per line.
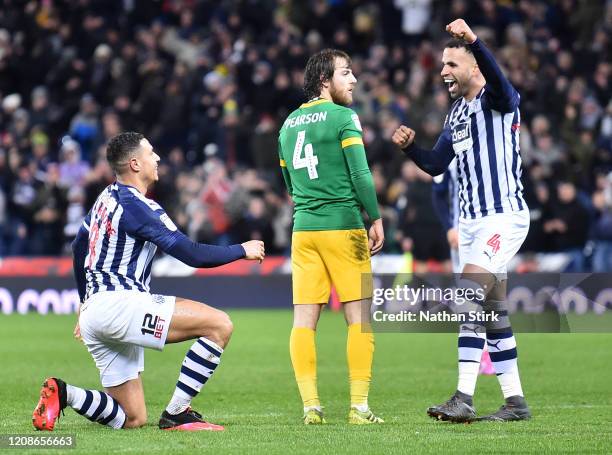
[568, 226]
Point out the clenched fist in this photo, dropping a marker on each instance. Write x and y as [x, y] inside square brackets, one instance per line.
[459, 29]
[403, 137]
[254, 250]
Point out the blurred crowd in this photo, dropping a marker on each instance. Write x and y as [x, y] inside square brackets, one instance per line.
[209, 82]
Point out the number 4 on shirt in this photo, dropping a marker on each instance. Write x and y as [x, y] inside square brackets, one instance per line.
[309, 161]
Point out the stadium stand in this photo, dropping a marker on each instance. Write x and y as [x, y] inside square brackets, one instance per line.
[210, 81]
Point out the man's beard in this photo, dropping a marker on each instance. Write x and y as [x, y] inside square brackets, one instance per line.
[338, 97]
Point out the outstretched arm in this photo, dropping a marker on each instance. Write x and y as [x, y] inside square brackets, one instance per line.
[197, 254]
[156, 226]
[434, 161]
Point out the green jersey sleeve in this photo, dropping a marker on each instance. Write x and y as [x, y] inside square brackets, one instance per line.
[351, 138]
[283, 166]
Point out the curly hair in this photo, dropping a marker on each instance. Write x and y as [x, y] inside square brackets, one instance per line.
[320, 68]
[120, 148]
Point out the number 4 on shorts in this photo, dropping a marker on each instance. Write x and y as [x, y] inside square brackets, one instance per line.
[309, 161]
[494, 242]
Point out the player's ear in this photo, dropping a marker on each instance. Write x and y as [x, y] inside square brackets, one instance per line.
[134, 164]
[324, 81]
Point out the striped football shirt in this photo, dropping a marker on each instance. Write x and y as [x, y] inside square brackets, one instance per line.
[125, 228]
[488, 161]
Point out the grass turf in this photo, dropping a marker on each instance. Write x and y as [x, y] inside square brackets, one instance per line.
[567, 379]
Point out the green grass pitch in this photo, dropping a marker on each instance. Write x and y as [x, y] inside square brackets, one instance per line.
[567, 379]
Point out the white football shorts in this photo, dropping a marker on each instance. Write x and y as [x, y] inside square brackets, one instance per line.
[492, 241]
[116, 326]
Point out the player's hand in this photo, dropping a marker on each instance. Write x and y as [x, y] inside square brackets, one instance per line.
[255, 250]
[77, 332]
[77, 328]
[453, 238]
[459, 29]
[403, 137]
[376, 237]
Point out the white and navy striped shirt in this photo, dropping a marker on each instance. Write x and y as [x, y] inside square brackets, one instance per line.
[482, 135]
[486, 146]
[124, 228]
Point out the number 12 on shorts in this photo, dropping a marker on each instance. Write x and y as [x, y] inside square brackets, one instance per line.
[152, 326]
[309, 161]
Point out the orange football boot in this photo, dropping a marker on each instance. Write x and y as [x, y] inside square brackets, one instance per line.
[52, 402]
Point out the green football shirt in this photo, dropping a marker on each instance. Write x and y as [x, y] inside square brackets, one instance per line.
[325, 167]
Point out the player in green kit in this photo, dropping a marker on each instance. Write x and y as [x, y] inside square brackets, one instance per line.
[325, 168]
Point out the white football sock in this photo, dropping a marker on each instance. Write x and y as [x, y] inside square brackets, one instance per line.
[468, 374]
[75, 396]
[510, 383]
[178, 404]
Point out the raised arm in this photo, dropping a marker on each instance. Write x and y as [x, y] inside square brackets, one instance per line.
[498, 91]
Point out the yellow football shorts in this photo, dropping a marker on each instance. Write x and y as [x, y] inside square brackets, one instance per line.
[322, 258]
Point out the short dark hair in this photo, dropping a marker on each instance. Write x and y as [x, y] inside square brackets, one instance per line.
[120, 149]
[458, 43]
[320, 68]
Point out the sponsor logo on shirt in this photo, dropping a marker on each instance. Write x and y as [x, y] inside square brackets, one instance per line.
[356, 121]
[462, 137]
